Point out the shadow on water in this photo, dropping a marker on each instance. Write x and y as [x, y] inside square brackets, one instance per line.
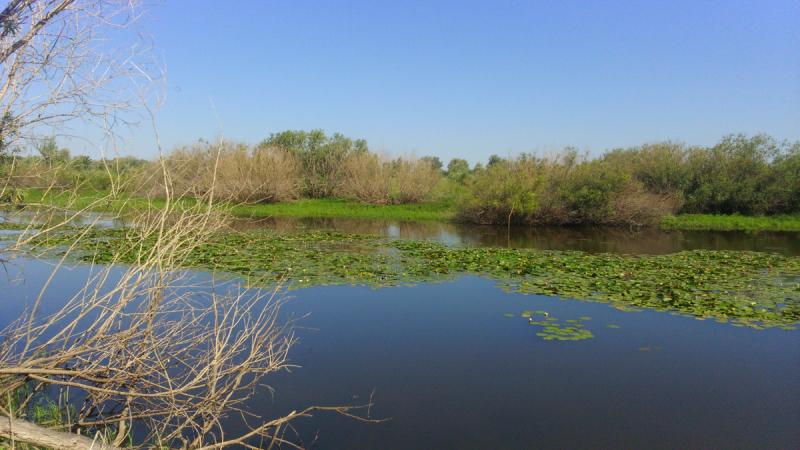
[592, 240]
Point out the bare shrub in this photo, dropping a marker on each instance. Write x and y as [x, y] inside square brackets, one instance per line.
[238, 173]
[376, 179]
[259, 175]
[367, 178]
[636, 207]
[147, 343]
[414, 180]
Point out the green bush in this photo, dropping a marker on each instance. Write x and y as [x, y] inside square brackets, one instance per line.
[322, 158]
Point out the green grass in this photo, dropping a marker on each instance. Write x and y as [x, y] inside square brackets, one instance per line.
[424, 212]
[728, 223]
[435, 211]
[85, 198]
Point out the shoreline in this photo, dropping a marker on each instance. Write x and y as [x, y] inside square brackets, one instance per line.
[441, 211]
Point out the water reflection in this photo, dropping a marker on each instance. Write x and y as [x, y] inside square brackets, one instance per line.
[65, 218]
[591, 240]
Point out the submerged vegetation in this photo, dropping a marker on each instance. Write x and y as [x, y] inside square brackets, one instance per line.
[752, 289]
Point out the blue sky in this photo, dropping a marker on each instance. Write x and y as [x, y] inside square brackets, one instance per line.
[472, 78]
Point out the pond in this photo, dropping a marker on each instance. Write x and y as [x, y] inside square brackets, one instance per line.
[459, 363]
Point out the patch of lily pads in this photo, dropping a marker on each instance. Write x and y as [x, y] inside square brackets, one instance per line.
[572, 331]
[756, 290]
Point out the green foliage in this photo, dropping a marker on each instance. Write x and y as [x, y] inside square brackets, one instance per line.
[10, 195]
[740, 175]
[322, 157]
[434, 161]
[458, 170]
[660, 167]
[51, 153]
[505, 193]
[557, 191]
[588, 190]
[493, 160]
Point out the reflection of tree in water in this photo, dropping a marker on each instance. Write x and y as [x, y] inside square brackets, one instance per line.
[398, 229]
[651, 241]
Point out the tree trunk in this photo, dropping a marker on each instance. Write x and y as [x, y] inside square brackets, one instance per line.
[30, 433]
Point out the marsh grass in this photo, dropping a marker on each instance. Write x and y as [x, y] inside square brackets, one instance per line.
[442, 210]
[784, 222]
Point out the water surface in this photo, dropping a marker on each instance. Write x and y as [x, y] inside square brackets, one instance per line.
[588, 239]
[452, 371]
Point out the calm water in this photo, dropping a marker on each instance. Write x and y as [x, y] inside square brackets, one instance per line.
[453, 372]
[593, 240]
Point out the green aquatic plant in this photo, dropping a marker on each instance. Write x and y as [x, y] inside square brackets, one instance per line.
[747, 288]
[553, 331]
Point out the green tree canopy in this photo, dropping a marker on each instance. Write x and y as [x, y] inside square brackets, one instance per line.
[322, 157]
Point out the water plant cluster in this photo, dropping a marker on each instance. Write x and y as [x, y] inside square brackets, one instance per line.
[571, 331]
[747, 288]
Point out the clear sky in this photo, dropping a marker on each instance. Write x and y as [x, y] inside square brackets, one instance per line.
[472, 78]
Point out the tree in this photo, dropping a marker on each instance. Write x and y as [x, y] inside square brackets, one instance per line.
[66, 61]
[458, 170]
[434, 161]
[322, 157]
[494, 159]
[50, 152]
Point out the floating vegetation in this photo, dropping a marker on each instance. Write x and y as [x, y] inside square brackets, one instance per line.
[612, 326]
[751, 289]
[554, 331]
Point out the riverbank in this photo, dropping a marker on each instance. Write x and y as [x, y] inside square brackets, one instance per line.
[440, 211]
[712, 222]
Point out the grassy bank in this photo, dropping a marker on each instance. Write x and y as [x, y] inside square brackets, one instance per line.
[730, 223]
[343, 208]
[441, 211]
[330, 207]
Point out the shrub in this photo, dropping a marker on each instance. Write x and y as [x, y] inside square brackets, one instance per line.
[503, 193]
[240, 173]
[322, 158]
[377, 179]
[367, 178]
[565, 189]
[414, 180]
